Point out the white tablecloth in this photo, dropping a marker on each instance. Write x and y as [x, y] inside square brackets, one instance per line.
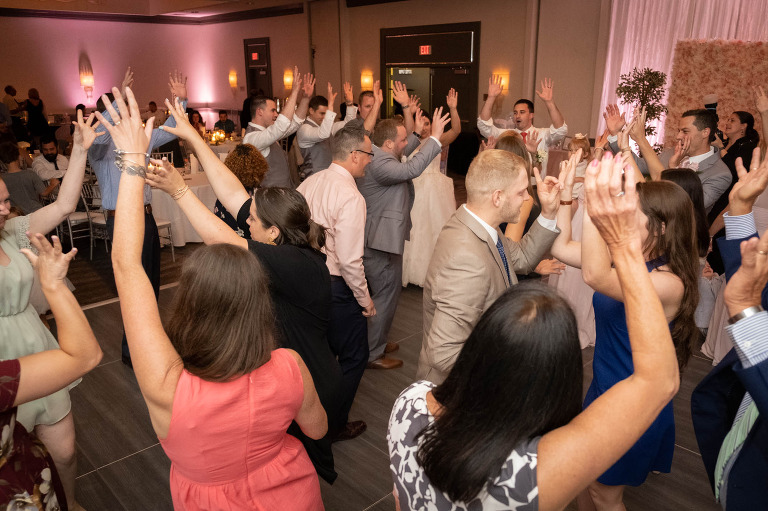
[165, 208]
[223, 147]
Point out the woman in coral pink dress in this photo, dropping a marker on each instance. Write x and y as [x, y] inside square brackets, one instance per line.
[219, 395]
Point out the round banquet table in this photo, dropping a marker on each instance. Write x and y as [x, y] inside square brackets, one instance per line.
[165, 208]
[224, 148]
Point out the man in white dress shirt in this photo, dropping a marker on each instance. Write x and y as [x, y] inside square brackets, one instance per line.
[267, 128]
[523, 117]
[314, 136]
[337, 205]
[50, 166]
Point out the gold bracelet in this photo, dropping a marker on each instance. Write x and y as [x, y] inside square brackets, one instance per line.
[178, 194]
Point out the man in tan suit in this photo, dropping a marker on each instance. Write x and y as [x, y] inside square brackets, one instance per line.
[473, 262]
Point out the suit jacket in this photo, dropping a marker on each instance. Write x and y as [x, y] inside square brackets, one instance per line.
[465, 276]
[714, 174]
[388, 191]
[714, 404]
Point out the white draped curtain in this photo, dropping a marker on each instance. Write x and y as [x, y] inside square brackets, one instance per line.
[644, 33]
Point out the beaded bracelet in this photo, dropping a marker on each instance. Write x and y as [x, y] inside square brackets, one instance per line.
[178, 194]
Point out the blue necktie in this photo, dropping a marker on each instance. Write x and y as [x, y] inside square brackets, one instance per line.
[500, 247]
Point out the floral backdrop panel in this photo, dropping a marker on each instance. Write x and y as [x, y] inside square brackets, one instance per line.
[727, 68]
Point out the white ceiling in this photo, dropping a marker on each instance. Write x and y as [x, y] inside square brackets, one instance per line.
[187, 8]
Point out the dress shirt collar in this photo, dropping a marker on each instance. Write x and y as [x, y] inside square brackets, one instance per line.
[491, 230]
[338, 169]
[701, 157]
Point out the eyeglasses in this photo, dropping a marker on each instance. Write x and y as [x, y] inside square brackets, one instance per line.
[361, 151]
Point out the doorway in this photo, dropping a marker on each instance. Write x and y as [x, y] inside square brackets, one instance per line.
[258, 66]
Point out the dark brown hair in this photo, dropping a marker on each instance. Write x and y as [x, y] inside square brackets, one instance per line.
[221, 317]
[512, 142]
[287, 209]
[667, 203]
[247, 164]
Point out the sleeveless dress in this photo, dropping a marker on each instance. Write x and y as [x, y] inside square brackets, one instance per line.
[21, 331]
[613, 363]
[228, 444]
[433, 205]
[513, 488]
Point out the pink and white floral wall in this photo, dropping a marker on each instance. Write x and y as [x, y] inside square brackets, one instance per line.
[727, 68]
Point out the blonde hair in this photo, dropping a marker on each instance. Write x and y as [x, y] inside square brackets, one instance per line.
[492, 170]
[581, 142]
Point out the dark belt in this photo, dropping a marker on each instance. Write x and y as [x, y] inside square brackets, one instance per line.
[147, 210]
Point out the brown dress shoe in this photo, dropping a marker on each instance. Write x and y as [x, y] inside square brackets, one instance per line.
[391, 347]
[385, 363]
[352, 430]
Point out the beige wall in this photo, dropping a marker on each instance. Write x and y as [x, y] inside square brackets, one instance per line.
[346, 40]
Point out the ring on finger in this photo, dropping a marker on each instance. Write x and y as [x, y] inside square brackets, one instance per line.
[762, 252]
[118, 123]
[621, 193]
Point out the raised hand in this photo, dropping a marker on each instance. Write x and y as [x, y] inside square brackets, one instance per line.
[50, 262]
[415, 102]
[490, 144]
[548, 191]
[494, 86]
[309, 85]
[184, 130]
[400, 94]
[127, 132]
[452, 100]
[85, 131]
[532, 141]
[438, 122]
[349, 96]
[602, 140]
[745, 288]
[546, 90]
[378, 95]
[331, 96]
[614, 119]
[761, 100]
[750, 184]
[568, 175]
[613, 210]
[177, 83]
[637, 126]
[624, 135]
[418, 122]
[163, 176]
[681, 151]
[127, 80]
[296, 84]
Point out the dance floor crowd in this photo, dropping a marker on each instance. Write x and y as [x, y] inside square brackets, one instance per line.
[251, 380]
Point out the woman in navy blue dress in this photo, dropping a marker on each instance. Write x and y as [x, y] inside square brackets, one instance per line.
[666, 221]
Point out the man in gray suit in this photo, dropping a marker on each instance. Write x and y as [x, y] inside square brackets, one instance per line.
[473, 262]
[694, 150]
[388, 192]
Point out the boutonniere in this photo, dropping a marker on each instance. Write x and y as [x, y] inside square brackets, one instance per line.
[541, 154]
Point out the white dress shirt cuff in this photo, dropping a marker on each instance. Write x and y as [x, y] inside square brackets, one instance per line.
[740, 226]
[437, 140]
[750, 338]
[613, 138]
[548, 223]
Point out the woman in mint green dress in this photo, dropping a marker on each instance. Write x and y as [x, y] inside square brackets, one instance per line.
[21, 331]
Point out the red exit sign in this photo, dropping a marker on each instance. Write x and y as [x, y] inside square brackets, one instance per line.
[425, 50]
[254, 56]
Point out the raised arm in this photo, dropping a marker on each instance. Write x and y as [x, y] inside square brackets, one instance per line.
[309, 135]
[546, 94]
[155, 361]
[46, 219]
[495, 89]
[308, 88]
[378, 98]
[637, 132]
[564, 248]
[572, 456]
[208, 226]
[400, 94]
[48, 371]
[227, 187]
[452, 100]
[761, 103]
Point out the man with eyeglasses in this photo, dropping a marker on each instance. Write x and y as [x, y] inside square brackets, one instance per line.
[337, 205]
[388, 190]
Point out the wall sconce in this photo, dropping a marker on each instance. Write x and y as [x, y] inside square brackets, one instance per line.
[233, 79]
[366, 80]
[288, 79]
[86, 82]
[504, 74]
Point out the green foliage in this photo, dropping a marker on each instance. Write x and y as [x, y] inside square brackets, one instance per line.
[644, 88]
